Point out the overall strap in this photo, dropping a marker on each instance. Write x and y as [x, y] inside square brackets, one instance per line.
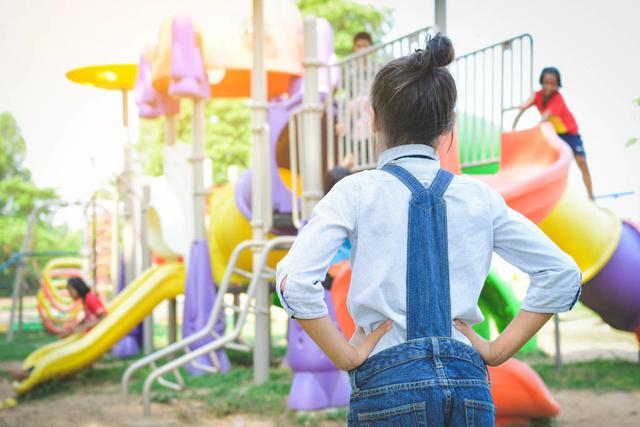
[428, 301]
[405, 176]
[441, 182]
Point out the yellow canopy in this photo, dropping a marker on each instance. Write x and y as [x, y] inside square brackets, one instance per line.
[110, 77]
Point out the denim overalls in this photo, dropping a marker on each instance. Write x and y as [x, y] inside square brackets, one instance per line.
[431, 379]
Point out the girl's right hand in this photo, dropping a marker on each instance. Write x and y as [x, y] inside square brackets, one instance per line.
[364, 344]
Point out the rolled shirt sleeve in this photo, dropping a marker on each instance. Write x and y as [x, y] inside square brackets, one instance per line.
[555, 279]
[332, 221]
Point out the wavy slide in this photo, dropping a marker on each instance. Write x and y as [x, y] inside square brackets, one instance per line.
[129, 308]
[54, 305]
[533, 180]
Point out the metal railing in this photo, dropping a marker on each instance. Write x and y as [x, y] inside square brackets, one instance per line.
[490, 82]
[227, 340]
[351, 131]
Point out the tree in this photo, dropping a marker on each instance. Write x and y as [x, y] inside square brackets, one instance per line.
[227, 136]
[18, 196]
[348, 18]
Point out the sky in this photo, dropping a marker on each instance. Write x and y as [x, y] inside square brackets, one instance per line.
[74, 135]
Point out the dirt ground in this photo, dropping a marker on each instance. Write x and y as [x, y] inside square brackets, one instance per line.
[104, 407]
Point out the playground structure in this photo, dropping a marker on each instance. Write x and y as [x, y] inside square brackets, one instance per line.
[251, 223]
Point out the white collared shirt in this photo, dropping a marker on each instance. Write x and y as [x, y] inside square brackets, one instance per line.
[370, 209]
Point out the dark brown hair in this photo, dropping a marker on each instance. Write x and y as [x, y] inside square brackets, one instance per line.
[362, 35]
[333, 176]
[414, 97]
[79, 285]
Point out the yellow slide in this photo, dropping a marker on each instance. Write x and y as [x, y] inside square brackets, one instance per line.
[127, 310]
[587, 232]
[227, 228]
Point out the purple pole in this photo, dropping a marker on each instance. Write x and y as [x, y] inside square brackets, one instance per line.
[614, 293]
[317, 383]
[128, 346]
[199, 296]
[188, 79]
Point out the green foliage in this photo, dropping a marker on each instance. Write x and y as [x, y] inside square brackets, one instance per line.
[227, 137]
[18, 196]
[13, 149]
[348, 18]
[594, 375]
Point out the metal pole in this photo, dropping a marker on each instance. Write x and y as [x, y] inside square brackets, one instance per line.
[170, 139]
[197, 160]
[94, 241]
[173, 329]
[170, 129]
[441, 15]
[128, 229]
[16, 298]
[558, 358]
[147, 325]
[115, 238]
[311, 121]
[261, 216]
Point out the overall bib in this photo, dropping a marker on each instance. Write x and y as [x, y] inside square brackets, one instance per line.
[431, 379]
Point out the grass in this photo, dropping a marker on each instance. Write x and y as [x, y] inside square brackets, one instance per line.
[597, 375]
[235, 393]
[23, 344]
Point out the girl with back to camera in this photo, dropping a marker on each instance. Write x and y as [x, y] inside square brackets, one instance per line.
[551, 105]
[422, 246]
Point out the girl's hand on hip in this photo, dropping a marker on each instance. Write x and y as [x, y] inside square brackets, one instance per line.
[480, 344]
[364, 344]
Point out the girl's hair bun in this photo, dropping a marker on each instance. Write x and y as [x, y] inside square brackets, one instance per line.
[438, 53]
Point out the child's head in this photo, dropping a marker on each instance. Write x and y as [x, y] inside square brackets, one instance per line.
[362, 40]
[550, 80]
[333, 176]
[413, 97]
[77, 288]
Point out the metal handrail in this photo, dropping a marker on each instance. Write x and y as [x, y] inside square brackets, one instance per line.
[351, 98]
[490, 82]
[208, 348]
[207, 330]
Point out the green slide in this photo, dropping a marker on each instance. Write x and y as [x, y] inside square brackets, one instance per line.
[500, 306]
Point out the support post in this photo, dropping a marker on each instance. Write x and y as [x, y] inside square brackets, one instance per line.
[16, 298]
[170, 140]
[311, 172]
[261, 214]
[147, 325]
[558, 357]
[441, 15]
[197, 159]
[128, 229]
[115, 238]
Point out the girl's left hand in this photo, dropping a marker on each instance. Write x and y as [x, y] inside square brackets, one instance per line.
[480, 344]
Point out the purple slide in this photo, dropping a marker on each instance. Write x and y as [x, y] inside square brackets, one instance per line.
[614, 293]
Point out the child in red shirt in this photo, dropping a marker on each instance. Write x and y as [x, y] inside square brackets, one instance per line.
[94, 311]
[550, 104]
